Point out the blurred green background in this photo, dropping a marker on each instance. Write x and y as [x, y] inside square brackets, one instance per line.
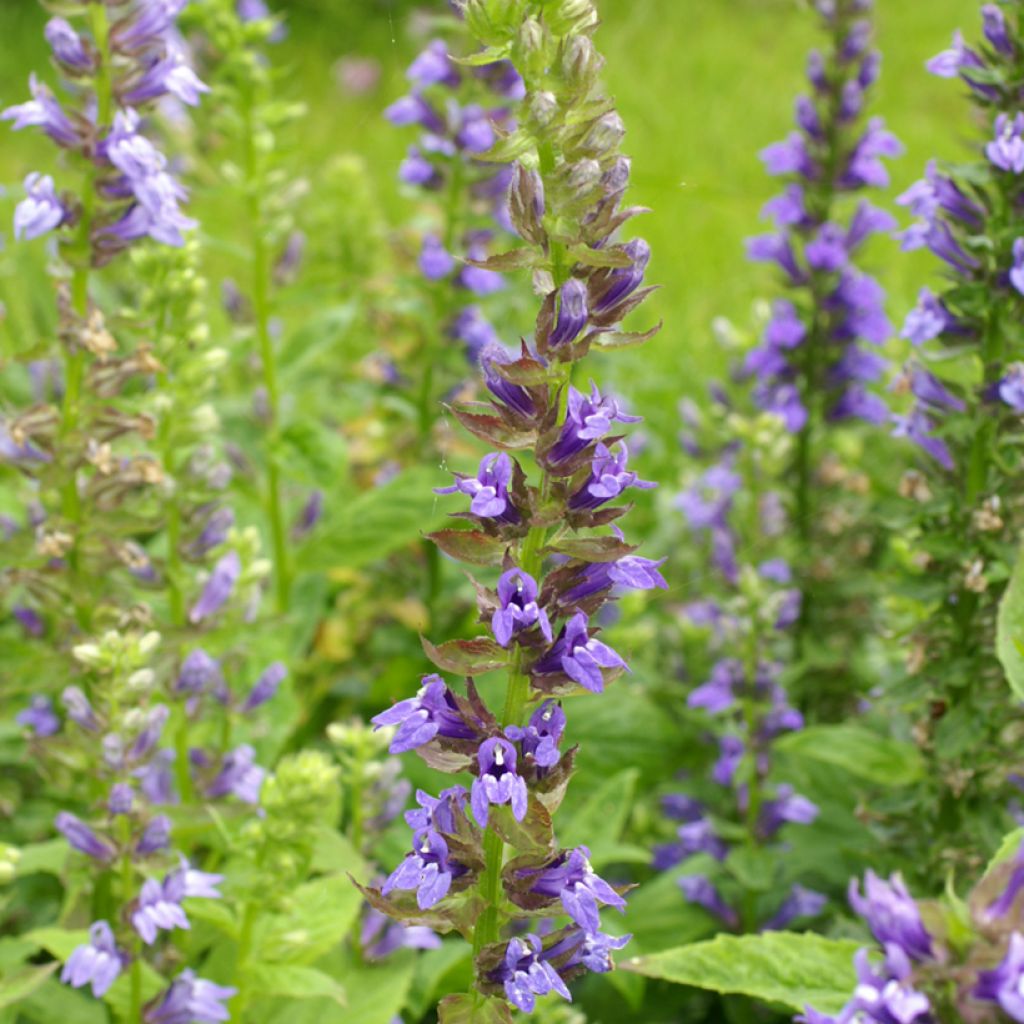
[702, 86]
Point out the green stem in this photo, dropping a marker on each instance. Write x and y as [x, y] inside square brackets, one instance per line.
[261, 272]
[182, 775]
[240, 1001]
[127, 895]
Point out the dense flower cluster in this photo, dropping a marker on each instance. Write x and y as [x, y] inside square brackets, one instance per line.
[744, 623]
[542, 614]
[461, 111]
[970, 969]
[962, 385]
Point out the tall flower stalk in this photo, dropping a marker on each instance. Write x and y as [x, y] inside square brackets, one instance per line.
[487, 857]
[819, 351]
[743, 621]
[963, 517]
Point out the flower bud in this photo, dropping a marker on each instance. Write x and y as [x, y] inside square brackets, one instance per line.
[543, 108]
[605, 134]
[580, 63]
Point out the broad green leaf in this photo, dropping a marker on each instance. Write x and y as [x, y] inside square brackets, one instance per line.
[473, 1009]
[321, 915]
[295, 982]
[119, 997]
[658, 916]
[376, 523]
[333, 854]
[47, 858]
[858, 751]
[18, 986]
[215, 913]
[449, 968]
[58, 942]
[53, 1001]
[599, 821]
[1010, 629]
[790, 968]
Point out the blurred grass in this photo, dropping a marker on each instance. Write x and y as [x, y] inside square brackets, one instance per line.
[702, 85]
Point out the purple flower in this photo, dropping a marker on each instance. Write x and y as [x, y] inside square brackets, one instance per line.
[479, 336]
[919, 429]
[1017, 270]
[149, 26]
[891, 914]
[572, 313]
[67, 46]
[800, 903]
[1006, 150]
[432, 712]
[587, 419]
[379, 936]
[414, 109]
[707, 503]
[730, 755]
[433, 67]
[266, 686]
[427, 870]
[195, 884]
[630, 572]
[416, 169]
[949, 63]
[218, 588]
[190, 1000]
[927, 320]
[167, 74]
[39, 717]
[571, 879]
[700, 890]
[121, 798]
[1003, 984]
[887, 999]
[156, 779]
[995, 29]
[580, 656]
[158, 908]
[929, 389]
[41, 211]
[149, 734]
[43, 111]
[778, 249]
[608, 479]
[517, 398]
[787, 807]
[155, 837]
[1011, 387]
[479, 280]
[790, 156]
[542, 734]
[78, 709]
[83, 838]
[199, 673]
[865, 167]
[438, 813]
[827, 250]
[497, 781]
[519, 610]
[525, 975]
[488, 489]
[239, 776]
[594, 952]
[621, 282]
[98, 963]
[717, 693]
[787, 209]
[475, 133]
[435, 260]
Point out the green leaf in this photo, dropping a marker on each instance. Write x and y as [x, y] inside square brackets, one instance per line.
[295, 982]
[1007, 848]
[58, 942]
[858, 751]
[470, 546]
[466, 657]
[53, 1001]
[790, 968]
[1010, 629]
[473, 1010]
[18, 986]
[44, 858]
[377, 991]
[321, 915]
[599, 821]
[376, 523]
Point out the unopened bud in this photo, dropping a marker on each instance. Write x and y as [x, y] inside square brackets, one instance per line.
[580, 63]
[605, 134]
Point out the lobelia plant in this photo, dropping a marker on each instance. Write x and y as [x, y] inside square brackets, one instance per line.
[743, 625]
[962, 521]
[819, 351]
[565, 202]
[940, 960]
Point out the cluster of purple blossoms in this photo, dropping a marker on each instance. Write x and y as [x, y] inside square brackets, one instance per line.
[963, 220]
[818, 353]
[750, 611]
[484, 859]
[138, 196]
[461, 113]
[977, 975]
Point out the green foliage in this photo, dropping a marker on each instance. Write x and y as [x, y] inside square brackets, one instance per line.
[793, 969]
[1010, 629]
[858, 751]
